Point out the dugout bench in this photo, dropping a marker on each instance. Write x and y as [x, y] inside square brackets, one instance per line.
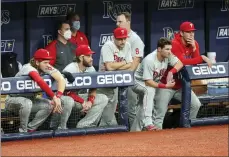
[121, 79]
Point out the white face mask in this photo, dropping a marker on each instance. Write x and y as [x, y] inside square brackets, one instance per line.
[67, 34]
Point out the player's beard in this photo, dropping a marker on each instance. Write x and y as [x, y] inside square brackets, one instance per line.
[86, 64]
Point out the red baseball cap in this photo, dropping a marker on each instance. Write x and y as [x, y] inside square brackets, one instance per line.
[187, 26]
[42, 54]
[84, 50]
[120, 33]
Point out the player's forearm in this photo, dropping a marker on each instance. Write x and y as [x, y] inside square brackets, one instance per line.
[43, 85]
[111, 66]
[192, 61]
[60, 81]
[61, 85]
[125, 67]
[151, 83]
[92, 92]
[154, 84]
[135, 63]
[178, 66]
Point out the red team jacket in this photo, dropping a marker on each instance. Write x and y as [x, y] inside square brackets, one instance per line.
[51, 47]
[79, 39]
[185, 54]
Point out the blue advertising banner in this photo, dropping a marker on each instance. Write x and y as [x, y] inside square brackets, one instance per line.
[202, 71]
[219, 29]
[104, 21]
[167, 16]
[12, 29]
[14, 85]
[43, 20]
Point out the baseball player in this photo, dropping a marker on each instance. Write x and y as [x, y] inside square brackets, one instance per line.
[187, 50]
[148, 77]
[115, 55]
[28, 102]
[92, 103]
[137, 53]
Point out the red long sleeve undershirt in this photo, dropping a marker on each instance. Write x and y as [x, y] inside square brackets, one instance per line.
[43, 85]
[75, 97]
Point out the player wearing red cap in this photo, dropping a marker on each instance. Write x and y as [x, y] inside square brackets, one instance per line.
[92, 103]
[115, 56]
[147, 82]
[186, 48]
[29, 102]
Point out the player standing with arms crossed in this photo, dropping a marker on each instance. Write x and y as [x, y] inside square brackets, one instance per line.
[28, 102]
[91, 102]
[187, 50]
[115, 55]
[137, 53]
[148, 77]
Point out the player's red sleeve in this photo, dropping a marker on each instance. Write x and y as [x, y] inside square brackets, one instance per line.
[75, 97]
[196, 53]
[51, 47]
[177, 51]
[43, 85]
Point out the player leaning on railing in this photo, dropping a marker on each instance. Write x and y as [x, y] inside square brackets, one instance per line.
[186, 48]
[147, 82]
[28, 102]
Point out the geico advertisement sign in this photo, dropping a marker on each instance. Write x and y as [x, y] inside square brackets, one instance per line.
[23, 84]
[205, 70]
[101, 80]
[79, 81]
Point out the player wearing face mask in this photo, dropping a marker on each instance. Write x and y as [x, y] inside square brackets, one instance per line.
[77, 37]
[61, 49]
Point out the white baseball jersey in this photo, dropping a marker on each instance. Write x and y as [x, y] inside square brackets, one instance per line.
[152, 69]
[74, 68]
[27, 68]
[137, 45]
[110, 53]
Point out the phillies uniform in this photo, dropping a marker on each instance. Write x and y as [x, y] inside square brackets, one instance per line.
[110, 53]
[94, 114]
[27, 103]
[187, 57]
[150, 69]
[137, 50]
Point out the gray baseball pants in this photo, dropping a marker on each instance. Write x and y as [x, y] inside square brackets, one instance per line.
[108, 116]
[162, 99]
[94, 114]
[59, 120]
[132, 105]
[25, 106]
[145, 106]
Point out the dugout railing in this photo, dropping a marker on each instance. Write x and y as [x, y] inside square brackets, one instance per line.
[120, 79]
[216, 92]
